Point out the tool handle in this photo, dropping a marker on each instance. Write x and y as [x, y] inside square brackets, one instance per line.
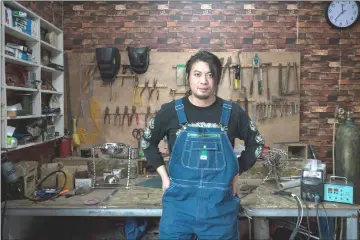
[335, 177]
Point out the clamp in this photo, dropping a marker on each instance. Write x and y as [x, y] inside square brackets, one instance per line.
[125, 114]
[256, 64]
[117, 115]
[107, 115]
[133, 112]
[136, 95]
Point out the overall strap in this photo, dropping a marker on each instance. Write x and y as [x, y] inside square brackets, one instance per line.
[179, 107]
[226, 112]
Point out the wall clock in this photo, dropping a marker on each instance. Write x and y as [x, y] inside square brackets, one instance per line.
[342, 14]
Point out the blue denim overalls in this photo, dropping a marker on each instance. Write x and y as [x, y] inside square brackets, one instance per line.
[202, 165]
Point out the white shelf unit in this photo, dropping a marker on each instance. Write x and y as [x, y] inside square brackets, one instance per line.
[35, 69]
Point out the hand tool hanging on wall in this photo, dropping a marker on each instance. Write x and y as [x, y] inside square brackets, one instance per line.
[125, 114]
[255, 65]
[237, 77]
[138, 133]
[153, 89]
[107, 115]
[260, 80]
[136, 95]
[226, 67]
[287, 78]
[124, 69]
[280, 80]
[146, 86]
[147, 115]
[266, 66]
[139, 59]
[133, 113]
[108, 60]
[296, 84]
[117, 116]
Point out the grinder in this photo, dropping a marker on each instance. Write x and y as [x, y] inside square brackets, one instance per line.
[109, 61]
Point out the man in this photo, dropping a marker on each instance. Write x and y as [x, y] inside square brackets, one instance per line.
[200, 191]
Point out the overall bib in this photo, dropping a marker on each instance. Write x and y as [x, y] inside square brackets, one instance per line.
[202, 166]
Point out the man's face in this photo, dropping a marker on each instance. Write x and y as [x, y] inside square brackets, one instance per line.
[201, 80]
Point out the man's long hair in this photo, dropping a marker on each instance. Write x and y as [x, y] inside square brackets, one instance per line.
[214, 65]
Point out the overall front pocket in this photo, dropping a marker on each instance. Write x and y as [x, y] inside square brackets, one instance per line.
[205, 155]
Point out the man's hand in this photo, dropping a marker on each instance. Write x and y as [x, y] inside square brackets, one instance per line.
[165, 184]
[235, 185]
[164, 177]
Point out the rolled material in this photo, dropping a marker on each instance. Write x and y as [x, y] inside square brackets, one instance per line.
[289, 184]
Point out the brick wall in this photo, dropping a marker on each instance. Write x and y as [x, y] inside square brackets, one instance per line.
[225, 26]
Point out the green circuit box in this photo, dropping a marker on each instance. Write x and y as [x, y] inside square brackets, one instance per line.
[336, 191]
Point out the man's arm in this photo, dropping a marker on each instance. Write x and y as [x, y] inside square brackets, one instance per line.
[153, 134]
[254, 142]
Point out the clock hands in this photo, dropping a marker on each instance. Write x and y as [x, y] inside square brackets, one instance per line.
[342, 12]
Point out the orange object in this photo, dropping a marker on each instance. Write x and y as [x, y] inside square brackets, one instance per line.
[64, 191]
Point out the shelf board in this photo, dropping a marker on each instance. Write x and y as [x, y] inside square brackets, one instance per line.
[35, 116]
[51, 48]
[19, 34]
[31, 144]
[23, 117]
[21, 89]
[10, 59]
[49, 69]
[51, 92]
[45, 24]
[52, 115]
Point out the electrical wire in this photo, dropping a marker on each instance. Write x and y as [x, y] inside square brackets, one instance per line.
[53, 196]
[307, 219]
[3, 211]
[327, 221]
[300, 216]
[317, 220]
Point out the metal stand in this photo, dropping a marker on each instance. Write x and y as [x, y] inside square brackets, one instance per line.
[128, 175]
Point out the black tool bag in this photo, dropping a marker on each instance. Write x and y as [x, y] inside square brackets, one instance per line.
[139, 59]
[108, 60]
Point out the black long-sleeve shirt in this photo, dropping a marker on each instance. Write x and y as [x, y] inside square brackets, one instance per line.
[165, 123]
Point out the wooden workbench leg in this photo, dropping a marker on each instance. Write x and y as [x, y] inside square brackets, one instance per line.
[261, 228]
[352, 228]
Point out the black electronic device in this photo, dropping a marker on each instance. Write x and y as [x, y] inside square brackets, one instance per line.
[108, 60]
[312, 181]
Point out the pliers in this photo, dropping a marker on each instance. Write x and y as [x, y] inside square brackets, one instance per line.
[133, 112]
[107, 115]
[136, 93]
[117, 115]
[146, 86]
[125, 114]
[153, 89]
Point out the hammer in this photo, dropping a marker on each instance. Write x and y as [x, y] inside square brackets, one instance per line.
[173, 91]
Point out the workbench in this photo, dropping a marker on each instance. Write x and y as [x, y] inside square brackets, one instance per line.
[146, 202]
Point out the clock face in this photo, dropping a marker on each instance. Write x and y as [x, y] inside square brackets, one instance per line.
[342, 14]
